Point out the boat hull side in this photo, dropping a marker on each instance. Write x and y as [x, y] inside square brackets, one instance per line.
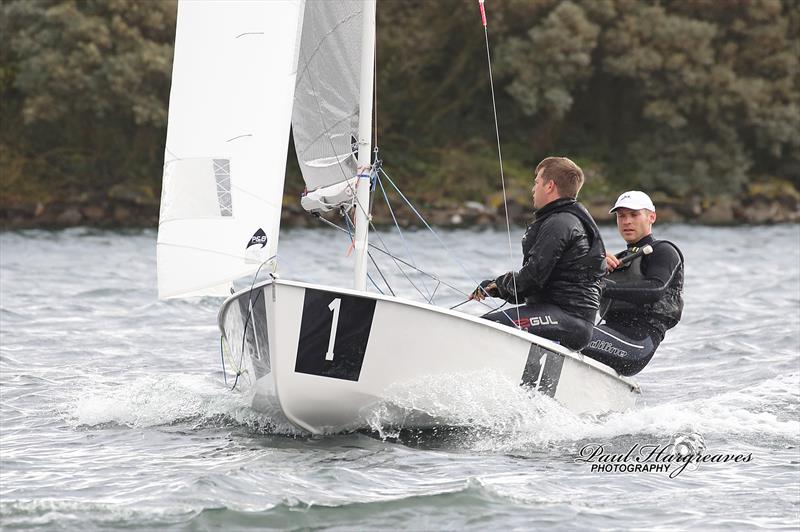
[327, 379]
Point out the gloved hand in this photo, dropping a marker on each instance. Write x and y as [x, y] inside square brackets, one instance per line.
[505, 288]
[487, 287]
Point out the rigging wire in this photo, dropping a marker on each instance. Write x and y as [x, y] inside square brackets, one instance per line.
[423, 272]
[402, 237]
[380, 238]
[351, 237]
[499, 152]
[435, 234]
[395, 257]
[381, 274]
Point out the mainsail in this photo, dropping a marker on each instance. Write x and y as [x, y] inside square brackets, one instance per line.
[229, 119]
[326, 106]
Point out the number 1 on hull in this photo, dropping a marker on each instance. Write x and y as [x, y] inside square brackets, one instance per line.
[334, 306]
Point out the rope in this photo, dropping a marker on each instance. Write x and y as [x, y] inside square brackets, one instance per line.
[499, 154]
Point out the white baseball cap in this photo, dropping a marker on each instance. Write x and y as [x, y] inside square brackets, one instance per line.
[634, 199]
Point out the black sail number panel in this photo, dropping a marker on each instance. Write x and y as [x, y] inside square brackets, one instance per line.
[333, 334]
[542, 370]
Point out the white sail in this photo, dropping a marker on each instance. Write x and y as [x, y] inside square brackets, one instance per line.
[229, 118]
[326, 108]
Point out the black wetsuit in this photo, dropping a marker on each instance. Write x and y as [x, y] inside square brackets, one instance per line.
[562, 270]
[640, 302]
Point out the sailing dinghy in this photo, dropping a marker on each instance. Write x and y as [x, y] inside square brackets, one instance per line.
[244, 75]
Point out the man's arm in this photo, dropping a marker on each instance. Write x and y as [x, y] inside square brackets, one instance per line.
[662, 265]
[557, 232]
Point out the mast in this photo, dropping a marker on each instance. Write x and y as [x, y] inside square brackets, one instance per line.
[364, 143]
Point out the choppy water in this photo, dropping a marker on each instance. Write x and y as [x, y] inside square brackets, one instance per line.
[115, 413]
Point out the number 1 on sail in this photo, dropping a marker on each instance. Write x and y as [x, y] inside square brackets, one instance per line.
[334, 306]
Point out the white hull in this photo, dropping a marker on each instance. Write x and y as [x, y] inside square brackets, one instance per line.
[327, 379]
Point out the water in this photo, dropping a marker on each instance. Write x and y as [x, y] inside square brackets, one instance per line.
[115, 413]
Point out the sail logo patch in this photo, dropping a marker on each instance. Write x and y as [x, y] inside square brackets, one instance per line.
[260, 237]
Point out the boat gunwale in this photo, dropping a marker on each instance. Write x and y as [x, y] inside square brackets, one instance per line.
[524, 335]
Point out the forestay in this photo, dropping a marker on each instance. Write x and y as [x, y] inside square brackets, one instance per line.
[325, 116]
[233, 84]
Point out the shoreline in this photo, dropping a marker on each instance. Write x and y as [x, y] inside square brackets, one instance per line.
[133, 213]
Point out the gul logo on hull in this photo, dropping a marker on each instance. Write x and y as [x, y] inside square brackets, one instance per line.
[259, 237]
[533, 321]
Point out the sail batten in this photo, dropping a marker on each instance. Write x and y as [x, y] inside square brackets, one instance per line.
[229, 120]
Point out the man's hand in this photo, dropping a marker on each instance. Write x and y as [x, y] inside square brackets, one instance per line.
[612, 262]
[484, 289]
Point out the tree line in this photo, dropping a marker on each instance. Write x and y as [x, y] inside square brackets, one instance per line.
[679, 97]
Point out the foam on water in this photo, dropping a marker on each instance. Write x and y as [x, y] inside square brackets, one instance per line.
[513, 417]
[504, 415]
[150, 401]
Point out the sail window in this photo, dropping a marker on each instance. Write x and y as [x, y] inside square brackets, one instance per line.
[196, 188]
[222, 173]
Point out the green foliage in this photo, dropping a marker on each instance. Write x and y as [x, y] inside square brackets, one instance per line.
[682, 97]
[92, 59]
[545, 82]
[85, 87]
[685, 97]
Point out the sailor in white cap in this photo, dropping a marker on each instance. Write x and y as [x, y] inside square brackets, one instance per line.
[635, 217]
[643, 295]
